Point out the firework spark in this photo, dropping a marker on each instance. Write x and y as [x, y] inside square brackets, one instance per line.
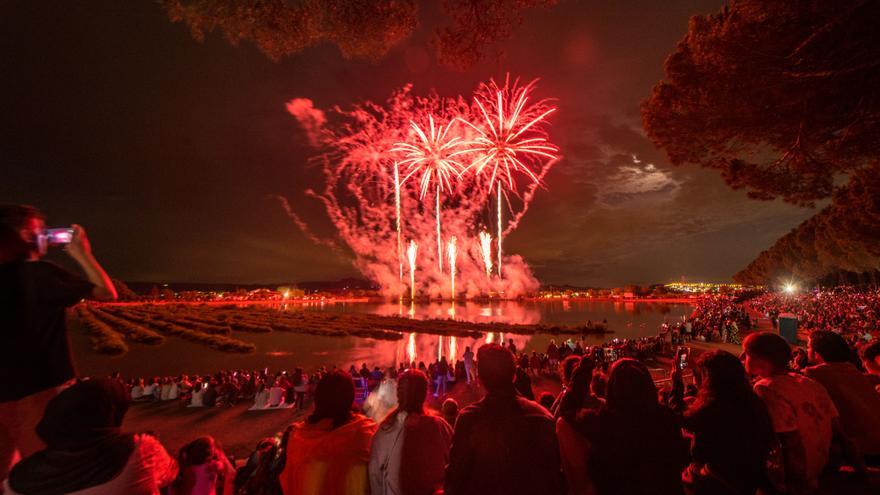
[411, 253]
[411, 348]
[452, 252]
[510, 137]
[486, 251]
[397, 219]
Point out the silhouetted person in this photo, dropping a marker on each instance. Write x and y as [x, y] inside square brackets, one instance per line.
[732, 430]
[35, 354]
[86, 452]
[635, 443]
[852, 392]
[503, 443]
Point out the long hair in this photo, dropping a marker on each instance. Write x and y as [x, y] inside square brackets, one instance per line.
[630, 387]
[723, 377]
[334, 397]
[412, 390]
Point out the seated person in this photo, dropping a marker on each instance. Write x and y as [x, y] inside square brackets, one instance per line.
[870, 355]
[87, 453]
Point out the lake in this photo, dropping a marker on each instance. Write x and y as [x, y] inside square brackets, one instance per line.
[279, 350]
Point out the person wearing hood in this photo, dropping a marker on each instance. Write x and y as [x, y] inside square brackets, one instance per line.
[411, 448]
[86, 453]
[328, 452]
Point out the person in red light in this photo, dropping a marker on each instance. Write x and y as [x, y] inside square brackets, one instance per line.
[503, 443]
[328, 453]
[35, 359]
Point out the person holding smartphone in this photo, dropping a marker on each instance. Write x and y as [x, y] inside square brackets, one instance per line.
[35, 358]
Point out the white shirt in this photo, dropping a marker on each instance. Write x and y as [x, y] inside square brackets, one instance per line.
[198, 398]
[276, 395]
[261, 399]
[386, 450]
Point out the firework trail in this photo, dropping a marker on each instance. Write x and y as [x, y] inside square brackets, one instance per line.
[452, 251]
[411, 349]
[432, 156]
[486, 251]
[510, 139]
[397, 219]
[439, 347]
[500, 232]
[411, 256]
[453, 347]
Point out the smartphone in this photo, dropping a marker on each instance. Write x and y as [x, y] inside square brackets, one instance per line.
[56, 237]
[683, 354]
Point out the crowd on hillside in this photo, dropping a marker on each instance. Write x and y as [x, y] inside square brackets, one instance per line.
[714, 319]
[851, 311]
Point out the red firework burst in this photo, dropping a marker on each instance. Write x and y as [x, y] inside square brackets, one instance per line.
[431, 155]
[510, 136]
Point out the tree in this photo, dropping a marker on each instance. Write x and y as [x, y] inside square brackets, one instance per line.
[841, 239]
[783, 98]
[360, 28]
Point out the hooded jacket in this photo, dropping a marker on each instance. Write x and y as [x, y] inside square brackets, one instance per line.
[322, 460]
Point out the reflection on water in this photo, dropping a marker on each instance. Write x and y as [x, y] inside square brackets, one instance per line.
[279, 350]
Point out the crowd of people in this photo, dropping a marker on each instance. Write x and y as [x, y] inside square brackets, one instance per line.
[774, 419]
[609, 431]
[850, 311]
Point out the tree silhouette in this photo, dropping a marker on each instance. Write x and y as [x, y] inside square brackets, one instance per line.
[780, 96]
[783, 98]
[364, 29]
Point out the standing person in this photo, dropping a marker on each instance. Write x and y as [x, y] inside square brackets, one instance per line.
[470, 368]
[511, 347]
[553, 355]
[804, 417]
[35, 358]
[732, 430]
[635, 445]
[411, 447]
[853, 394]
[503, 443]
[442, 372]
[86, 453]
[328, 453]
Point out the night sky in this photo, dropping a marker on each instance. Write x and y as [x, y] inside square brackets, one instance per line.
[167, 149]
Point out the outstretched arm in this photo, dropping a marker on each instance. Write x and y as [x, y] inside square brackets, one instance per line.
[81, 251]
